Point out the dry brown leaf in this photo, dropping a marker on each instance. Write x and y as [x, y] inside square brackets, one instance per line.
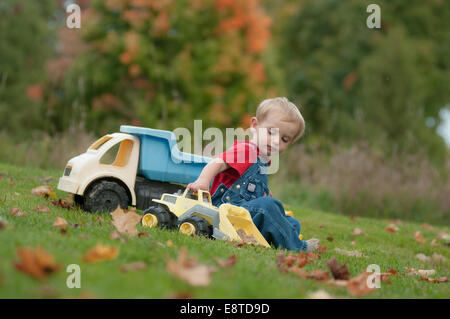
[247, 239]
[357, 286]
[434, 243]
[392, 228]
[189, 270]
[227, 263]
[60, 222]
[337, 283]
[435, 280]
[442, 235]
[62, 203]
[125, 222]
[423, 257]
[100, 253]
[169, 243]
[438, 259]
[354, 253]
[3, 223]
[138, 265]
[329, 238]
[358, 232]
[320, 294]
[43, 191]
[418, 237]
[426, 226]
[143, 234]
[339, 272]
[36, 262]
[16, 212]
[43, 209]
[422, 272]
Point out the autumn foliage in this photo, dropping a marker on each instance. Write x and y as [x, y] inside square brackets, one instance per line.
[161, 64]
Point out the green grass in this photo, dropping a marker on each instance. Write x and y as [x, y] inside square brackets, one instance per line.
[255, 274]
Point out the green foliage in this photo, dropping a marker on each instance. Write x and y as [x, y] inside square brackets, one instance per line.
[26, 40]
[378, 85]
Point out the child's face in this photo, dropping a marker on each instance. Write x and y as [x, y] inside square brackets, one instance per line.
[275, 133]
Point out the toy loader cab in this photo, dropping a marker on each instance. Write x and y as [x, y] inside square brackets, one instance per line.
[194, 214]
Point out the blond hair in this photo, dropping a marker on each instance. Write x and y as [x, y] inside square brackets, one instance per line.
[288, 108]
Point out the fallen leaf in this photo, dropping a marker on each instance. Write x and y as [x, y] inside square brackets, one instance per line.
[60, 222]
[16, 212]
[46, 179]
[138, 265]
[337, 283]
[320, 294]
[99, 220]
[357, 286]
[426, 226]
[247, 239]
[62, 203]
[442, 235]
[169, 243]
[435, 280]
[423, 272]
[43, 191]
[189, 270]
[43, 209]
[143, 234]
[358, 232]
[354, 253]
[423, 257]
[100, 253]
[319, 275]
[434, 243]
[418, 237]
[329, 238]
[3, 223]
[438, 259]
[180, 295]
[227, 263]
[63, 231]
[36, 262]
[125, 222]
[392, 228]
[339, 272]
[353, 243]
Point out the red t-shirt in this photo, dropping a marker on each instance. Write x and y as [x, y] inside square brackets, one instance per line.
[240, 156]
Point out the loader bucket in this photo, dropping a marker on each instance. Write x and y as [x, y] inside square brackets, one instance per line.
[237, 223]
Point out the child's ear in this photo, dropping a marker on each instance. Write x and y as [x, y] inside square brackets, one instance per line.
[254, 122]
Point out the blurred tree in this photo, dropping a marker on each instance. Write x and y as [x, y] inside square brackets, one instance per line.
[375, 84]
[164, 63]
[26, 41]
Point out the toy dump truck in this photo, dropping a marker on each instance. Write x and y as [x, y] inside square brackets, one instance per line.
[130, 168]
[194, 214]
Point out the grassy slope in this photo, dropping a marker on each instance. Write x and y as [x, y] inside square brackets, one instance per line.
[255, 274]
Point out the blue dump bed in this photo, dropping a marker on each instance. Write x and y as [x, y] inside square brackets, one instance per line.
[161, 160]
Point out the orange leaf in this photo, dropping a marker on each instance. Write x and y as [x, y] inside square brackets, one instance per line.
[418, 237]
[36, 262]
[358, 285]
[43, 191]
[227, 263]
[60, 222]
[100, 253]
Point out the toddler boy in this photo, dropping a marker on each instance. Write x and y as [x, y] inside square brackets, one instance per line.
[240, 173]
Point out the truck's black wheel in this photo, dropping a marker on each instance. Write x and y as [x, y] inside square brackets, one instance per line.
[105, 196]
[78, 200]
[201, 227]
[164, 218]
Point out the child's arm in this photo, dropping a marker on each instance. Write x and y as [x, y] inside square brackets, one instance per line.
[211, 169]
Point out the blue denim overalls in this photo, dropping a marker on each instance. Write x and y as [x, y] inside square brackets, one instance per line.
[250, 191]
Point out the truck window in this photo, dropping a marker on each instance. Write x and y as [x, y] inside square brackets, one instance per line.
[170, 199]
[118, 154]
[97, 144]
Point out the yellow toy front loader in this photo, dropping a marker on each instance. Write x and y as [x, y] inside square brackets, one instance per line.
[194, 214]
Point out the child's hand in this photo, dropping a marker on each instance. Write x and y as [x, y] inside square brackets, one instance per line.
[198, 184]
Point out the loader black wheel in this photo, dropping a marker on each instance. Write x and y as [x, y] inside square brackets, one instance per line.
[105, 196]
[196, 225]
[158, 216]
